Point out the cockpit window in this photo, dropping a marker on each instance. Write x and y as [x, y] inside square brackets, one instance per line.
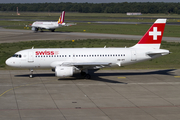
[17, 55]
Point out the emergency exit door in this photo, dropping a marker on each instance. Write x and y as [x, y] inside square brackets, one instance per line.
[30, 57]
[133, 55]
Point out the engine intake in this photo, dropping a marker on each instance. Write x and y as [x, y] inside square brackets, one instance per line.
[61, 71]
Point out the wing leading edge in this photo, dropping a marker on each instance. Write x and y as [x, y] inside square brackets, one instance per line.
[94, 65]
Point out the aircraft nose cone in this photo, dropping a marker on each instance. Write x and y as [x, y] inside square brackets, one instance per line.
[9, 62]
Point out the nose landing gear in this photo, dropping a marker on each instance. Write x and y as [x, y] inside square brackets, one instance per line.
[31, 74]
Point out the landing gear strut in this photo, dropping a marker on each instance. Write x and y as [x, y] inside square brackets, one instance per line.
[31, 74]
[36, 29]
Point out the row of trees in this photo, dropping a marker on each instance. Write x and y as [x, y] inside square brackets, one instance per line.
[147, 7]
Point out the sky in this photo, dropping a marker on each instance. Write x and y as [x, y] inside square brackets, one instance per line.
[83, 1]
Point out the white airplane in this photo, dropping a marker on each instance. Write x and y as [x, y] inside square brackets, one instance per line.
[66, 61]
[49, 25]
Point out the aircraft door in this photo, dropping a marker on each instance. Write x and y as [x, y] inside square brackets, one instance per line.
[133, 55]
[30, 57]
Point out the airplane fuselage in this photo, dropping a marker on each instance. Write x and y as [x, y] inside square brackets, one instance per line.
[49, 25]
[52, 57]
[46, 25]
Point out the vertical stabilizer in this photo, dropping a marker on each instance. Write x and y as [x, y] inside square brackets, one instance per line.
[61, 18]
[153, 37]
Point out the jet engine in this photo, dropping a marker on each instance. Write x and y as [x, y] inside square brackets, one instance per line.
[62, 71]
[33, 28]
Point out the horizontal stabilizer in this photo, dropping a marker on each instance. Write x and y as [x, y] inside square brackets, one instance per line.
[160, 51]
[70, 24]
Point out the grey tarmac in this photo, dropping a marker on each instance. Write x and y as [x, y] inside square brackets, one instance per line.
[109, 95]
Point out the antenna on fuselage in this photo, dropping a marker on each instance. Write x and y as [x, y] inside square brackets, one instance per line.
[33, 47]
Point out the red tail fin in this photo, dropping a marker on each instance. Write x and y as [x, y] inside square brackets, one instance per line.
[61, 18]
[153, 36]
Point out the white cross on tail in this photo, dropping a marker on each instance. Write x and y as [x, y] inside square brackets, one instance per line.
[155, 33]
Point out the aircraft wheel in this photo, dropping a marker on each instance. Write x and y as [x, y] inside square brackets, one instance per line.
[52, 30]
[87, 76]
[36, 29]
[83, 73]
[31, 76]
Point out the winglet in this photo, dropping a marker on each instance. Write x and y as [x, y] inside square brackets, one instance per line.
[153, 36]
[61, 18]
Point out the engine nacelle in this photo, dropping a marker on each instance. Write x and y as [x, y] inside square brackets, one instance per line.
[61, 71]
[33, 28]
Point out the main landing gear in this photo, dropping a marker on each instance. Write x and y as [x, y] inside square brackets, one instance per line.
[42, 30]
[36, 29]
[52, 30]
[85, 74]
[31, 74]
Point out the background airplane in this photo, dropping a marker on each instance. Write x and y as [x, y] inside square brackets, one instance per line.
[66, 61]
[50, 25]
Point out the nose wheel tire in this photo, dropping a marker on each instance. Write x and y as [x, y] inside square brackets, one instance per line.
[31, 74]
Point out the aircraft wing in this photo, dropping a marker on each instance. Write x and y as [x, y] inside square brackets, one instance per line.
[89, 65]
[41, 27]
[44, 27]
[92, 65]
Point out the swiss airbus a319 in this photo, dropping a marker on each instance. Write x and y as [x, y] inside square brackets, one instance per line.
[49, 25]
[66, 61]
